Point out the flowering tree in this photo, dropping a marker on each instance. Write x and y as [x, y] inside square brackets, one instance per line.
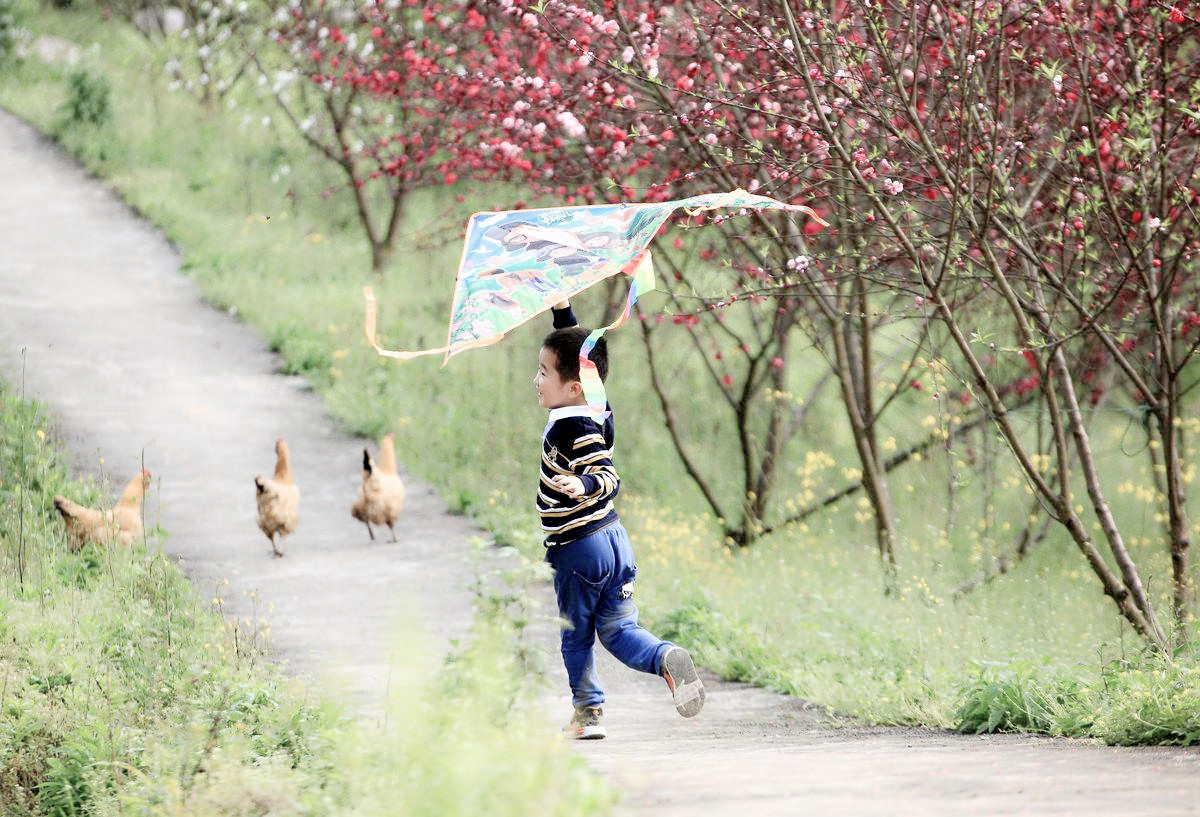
[213, 42]
[629, 113]
[1026, 173]
[1039, 159]
[376, 89]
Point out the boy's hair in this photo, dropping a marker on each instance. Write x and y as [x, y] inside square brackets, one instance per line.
[565, 343]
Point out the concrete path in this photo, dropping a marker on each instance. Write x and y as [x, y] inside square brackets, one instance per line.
[134, 365]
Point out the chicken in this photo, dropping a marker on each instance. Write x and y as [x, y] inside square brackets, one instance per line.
[381, 499]
[122, 523]
[278, 499]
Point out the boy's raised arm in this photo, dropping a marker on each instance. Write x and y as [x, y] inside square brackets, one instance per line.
[564, 317]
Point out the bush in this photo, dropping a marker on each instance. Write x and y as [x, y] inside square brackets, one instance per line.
[87, 102]
[1156, 702]
[1022, 698]
[1151, 700]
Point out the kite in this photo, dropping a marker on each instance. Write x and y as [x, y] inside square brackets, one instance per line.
[516, 264]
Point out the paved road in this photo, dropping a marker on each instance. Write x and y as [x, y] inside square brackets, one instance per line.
[134, 365]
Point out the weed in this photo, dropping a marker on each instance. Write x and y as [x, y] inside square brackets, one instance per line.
[1023, 698]
[87, 102]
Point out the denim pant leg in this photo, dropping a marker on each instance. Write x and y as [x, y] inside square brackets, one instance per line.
[580, 572]
[617, 615]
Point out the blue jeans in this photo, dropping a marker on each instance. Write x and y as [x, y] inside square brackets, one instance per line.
[593, 579]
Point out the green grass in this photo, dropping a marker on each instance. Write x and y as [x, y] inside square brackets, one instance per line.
[802, 611]
[166, 708]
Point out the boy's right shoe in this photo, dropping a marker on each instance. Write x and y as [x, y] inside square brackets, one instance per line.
[686, 686]
[585, 724]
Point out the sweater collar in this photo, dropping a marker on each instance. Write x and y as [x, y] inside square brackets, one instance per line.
[566, 411]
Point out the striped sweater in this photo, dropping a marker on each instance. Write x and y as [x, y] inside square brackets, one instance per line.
[574, 443]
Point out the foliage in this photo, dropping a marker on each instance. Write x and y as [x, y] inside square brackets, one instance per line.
[87, 104]
[1149, 700]
[1019, 699]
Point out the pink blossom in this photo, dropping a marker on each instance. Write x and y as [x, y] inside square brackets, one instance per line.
[570, 124]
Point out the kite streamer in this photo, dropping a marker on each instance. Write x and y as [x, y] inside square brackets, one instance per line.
[517, 264]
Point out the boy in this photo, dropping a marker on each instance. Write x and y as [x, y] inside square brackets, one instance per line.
[586, 544]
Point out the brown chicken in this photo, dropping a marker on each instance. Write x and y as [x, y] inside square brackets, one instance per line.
[122, 523]
[381, 499]
[278, 499]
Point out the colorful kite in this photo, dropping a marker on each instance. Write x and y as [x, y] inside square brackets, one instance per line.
[516, 264]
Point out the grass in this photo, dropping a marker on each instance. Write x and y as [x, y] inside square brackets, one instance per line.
[267, 232]
[165, 710]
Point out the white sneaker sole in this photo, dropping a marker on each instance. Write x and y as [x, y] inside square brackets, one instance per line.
[587, 733]
[686, 687]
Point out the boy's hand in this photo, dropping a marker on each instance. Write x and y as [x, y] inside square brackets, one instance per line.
[572, 486]
[563, 304]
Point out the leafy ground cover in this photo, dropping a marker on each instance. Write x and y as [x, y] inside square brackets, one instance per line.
[267, 231]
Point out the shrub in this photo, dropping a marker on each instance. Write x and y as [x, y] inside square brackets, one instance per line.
[87, 102]
[1154, 702]
[1022, 698]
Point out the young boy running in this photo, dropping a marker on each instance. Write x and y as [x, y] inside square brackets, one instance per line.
[586, 544]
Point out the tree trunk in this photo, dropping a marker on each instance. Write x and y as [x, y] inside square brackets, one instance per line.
[874, 476]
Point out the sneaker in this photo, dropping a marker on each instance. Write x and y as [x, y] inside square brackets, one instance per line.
[686, 687]
[585, 724]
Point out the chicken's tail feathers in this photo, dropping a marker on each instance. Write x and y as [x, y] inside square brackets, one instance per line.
[260, 485]
[367, 465]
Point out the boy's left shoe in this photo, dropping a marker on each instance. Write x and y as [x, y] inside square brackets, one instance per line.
[586, 724]
[686, 687]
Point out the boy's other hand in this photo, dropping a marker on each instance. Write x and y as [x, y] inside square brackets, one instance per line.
[572, 486]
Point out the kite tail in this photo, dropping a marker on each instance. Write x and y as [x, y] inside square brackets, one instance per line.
[369, 328]
[641, 272]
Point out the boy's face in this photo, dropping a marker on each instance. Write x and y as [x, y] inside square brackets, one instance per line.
[551, 390]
